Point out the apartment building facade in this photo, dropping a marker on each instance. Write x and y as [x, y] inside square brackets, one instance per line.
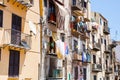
[73, 44]
[102, 58]
[65, 38]
[80, 35]
[116, 60]
[19, 40]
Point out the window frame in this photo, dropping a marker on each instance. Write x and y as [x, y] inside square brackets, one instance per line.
[14, 63]
[1, 18]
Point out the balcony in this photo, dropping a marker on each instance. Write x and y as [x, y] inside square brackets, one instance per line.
[56, 74]
[109, 70]
[107, 49]
[96, 46]
[53, 54]
[79, 31]
[2, 3]
[94, 26]
[113, 44]
[27, 3]
[76, 5]
[96, 67]
[77, 57]
[106, 30]
[76, 8]
[51, 49]
[16, 40]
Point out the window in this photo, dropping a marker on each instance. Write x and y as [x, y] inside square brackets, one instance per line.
[84, 48]
[76, 72]
[84, 73]
[115, 68]
[107, 78]
[1, 18]
[62, 35]
[106, 64]
[31, 2]
[45, 3]
[105, 42]
[75, 46]
[94, 77]
[73, 2]
[85, 4]
[16, 29]
[100, 21]
[52, 68]
[95, 14]
[52, 14]
[104, 24]
[101, 40]
[100, 60]
[94, 59]
[52, 45]
[14, 63]
[54, 71]
[38, 71]
[88, 57]
[93, 39]
[16, 22]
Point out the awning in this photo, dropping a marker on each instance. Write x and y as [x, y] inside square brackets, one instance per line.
[77, 13]
[86, 20]
[75, 8]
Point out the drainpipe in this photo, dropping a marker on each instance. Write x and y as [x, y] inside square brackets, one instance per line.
[41, 18]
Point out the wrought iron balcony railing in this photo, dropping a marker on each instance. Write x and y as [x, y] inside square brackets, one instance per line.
[113, 44]
[96, 67]
[27, 3]
[107, 49]
[109, 70]
[16, 39]
[96, 46]
[76, 5]
[106, 30]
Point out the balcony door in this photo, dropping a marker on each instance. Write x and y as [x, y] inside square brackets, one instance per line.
[85, 73]
[14, 59]
[16, 30]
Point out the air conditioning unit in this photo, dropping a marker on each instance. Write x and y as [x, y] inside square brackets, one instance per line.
[47, 32]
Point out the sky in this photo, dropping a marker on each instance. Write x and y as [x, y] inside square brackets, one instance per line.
[110, 9]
